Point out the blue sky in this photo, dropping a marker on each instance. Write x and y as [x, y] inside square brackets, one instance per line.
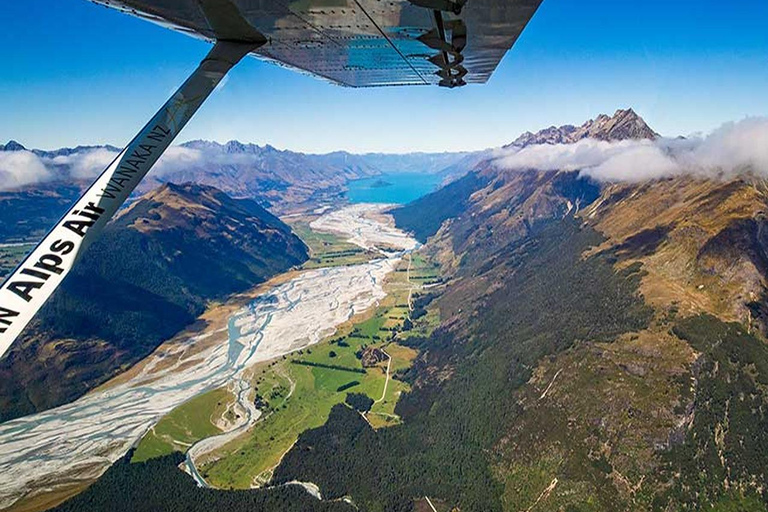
[76, 73]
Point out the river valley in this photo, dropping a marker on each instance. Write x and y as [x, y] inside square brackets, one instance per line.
[73, 444]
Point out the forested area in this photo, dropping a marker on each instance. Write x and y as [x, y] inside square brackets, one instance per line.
[445, 447]
[27, 215]
[159, 485]
[725, 452]
[359, 401]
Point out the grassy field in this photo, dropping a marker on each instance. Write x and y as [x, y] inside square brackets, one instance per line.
[318, 378]
[12, 256]
[185, 425]
[328, 250]
[297, 391]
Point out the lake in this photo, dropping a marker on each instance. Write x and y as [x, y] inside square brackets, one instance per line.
[397, 188]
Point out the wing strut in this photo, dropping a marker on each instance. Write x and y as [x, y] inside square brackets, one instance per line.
[34, 281]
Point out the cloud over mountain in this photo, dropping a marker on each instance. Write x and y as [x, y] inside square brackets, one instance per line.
[273, 176]
[85, 164]
[734, 148]
[19, 168]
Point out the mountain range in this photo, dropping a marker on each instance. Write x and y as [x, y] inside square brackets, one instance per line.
[623, 125]
[152, 273]
[280, 179]
[285, 181]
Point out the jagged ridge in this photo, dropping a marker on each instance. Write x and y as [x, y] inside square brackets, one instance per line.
[624, 124]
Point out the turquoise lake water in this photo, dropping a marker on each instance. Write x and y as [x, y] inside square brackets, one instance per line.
[398, 188]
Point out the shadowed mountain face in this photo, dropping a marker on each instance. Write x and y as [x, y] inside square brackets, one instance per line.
[149, 275]
[28, 214]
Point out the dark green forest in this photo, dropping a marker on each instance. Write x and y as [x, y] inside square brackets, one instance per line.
[29, 214]
[730, 400]
[159, 485]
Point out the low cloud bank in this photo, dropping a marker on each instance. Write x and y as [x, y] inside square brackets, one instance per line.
[85, 164]
[89, 164]
[19, 168]
[733, 149]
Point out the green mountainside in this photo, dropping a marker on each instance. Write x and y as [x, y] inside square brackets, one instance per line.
[601, 360]
[151, 273]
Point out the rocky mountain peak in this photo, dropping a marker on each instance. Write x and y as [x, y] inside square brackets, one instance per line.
[235, 146]
[230, 147]
[12, 146]
[551, 135]
[624, 124]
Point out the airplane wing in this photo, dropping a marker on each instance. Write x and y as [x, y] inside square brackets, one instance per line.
[365, 43]
[357, 43]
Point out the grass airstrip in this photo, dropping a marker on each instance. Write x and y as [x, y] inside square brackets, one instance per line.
[296, 392]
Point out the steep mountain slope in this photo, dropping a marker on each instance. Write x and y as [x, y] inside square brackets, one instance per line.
[424, 216]
[654, 419]
[150, 274]
[602, 348]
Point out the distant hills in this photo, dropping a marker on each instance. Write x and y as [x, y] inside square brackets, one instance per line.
[281, 179]
[12, 145]
[150, 274]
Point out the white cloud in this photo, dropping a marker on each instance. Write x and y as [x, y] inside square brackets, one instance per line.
[19, 168]
[734, 148]
[637, 162]
[86, 164]
[177, 158]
